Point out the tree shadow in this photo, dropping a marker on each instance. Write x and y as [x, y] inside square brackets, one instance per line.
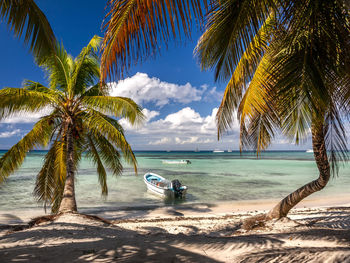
[82, 243]
[333, 218]
[140, 212]
[310, 254]
[11, 219]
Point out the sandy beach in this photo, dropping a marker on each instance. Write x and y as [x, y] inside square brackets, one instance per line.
[313, 232]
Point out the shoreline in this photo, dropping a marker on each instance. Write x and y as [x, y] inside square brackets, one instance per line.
[20, 216]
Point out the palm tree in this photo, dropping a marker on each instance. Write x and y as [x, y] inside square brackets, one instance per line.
[79, 120]
[25, 17]
[286, 63]
[293, 75]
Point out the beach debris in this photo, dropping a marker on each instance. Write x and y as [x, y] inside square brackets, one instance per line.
[254, 222]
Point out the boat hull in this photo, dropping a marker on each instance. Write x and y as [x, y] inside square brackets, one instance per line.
[176, 162]
[162, 191]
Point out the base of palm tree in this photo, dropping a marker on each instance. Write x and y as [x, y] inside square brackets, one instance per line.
[52, 218]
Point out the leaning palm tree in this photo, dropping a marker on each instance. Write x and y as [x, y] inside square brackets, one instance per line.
[24, 17]
[286, 63]
[293, 76]
[80, 118]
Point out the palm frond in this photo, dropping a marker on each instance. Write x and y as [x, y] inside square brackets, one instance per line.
[259, 95]
[326, 21]
[60, 173]
[93, 154]
[116, 106]
[24, 16]
[100, 124]
[19, 100]
[233, 28]
[134, 29]
[260, 131]
[96, 90]
[108, 153]
[242, 75]
[86, 74]
[258, 110]
[14, 157]
[87, 67]
[59, 66]
[336, 142]
[50, 178]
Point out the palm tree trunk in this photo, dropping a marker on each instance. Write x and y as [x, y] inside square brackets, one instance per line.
[68, 203]
[320, 154]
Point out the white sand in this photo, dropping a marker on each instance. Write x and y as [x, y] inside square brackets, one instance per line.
[201, 233]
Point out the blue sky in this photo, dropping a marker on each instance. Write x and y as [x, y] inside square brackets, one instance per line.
[179, 100]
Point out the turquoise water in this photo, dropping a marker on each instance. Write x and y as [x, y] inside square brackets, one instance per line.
[211, 177]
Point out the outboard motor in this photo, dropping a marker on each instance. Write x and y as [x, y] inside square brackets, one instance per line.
[176, 185]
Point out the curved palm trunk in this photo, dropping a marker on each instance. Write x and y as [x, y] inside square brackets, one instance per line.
[68, 203]
[320, 154]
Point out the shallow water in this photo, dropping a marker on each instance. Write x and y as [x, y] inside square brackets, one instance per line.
[211, 177]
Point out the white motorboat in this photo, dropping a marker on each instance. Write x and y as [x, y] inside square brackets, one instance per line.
[309, 151]
[218, 151]
[161, 186]
[176, 161]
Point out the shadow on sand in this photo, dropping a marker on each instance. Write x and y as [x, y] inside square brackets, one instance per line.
[327, 240]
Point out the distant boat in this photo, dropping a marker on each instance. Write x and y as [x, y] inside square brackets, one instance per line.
[218, 151]
[196, 151]
[229, 151]
[309, 151]
[176, 161]
[161, 186]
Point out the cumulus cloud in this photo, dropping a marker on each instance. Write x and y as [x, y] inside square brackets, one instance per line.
[183, 117]
[184, 129]
[9, 134]
[150, 114]
[164, 140]
[144, 89]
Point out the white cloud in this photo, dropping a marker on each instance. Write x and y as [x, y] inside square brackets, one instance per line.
[150, 114]
[182, 117]
[9, 134]
[184, 129]
[143, 89]
[164, 140]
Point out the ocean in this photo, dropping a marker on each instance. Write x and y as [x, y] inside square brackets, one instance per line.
[211, 177]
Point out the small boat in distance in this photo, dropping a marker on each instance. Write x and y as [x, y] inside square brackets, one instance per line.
[218, 151]
[309, 151]
[176, 162]
[161, 186]
[229, 151]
